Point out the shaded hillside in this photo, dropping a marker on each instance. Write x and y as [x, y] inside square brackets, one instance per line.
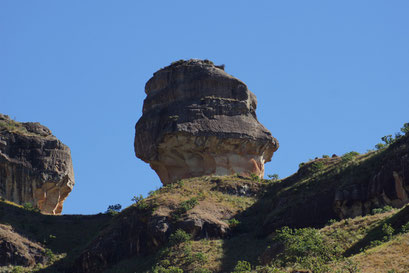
[60, 238]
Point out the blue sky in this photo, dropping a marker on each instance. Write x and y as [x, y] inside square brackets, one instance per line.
[329, 76]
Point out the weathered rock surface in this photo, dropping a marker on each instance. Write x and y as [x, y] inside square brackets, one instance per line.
[198, 120]
[17, 250]
[388, 185]
[35, 167]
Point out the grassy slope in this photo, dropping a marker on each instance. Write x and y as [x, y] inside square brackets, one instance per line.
[260, 211]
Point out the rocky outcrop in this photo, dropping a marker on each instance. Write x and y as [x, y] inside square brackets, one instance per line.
[198, 120]
[387, 185]
[17, 250]
[35, 167]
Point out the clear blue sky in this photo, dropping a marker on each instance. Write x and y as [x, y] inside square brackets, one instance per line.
[329, 76]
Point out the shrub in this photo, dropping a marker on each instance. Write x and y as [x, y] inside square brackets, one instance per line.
[18, 269]
[140, 203]
[303, 246]
[382, 210]
[405, 227]
[405, 128]
[387, 139]
[331, 221]
[325, 156]
[316, 166]
[114, 209]
[188, 204]
[233, 223]
[374, 243]
[200, 257]
[254, 177]
[28, 206]
[301, 165]
[178, 237]
[242, 266]
[273, 177]
[379, 146]
[50, 255]
[388, 231]
[349, 156]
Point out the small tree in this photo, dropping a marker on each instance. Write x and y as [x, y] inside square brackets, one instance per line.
[114, 209]
[388, 139]
[273, 177]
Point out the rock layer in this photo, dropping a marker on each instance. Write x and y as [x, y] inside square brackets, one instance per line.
[198, 120]
[35, 167]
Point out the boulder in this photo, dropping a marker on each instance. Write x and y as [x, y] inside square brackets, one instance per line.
[198, 120]
[35, 167]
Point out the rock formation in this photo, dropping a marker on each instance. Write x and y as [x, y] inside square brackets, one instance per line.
[198, 120]
[35, 167]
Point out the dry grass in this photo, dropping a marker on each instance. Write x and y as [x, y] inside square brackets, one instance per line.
[392, 255]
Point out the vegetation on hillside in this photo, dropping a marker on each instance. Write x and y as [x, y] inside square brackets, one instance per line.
[264, 225]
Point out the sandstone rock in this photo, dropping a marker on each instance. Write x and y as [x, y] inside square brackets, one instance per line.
[198, 120]
[35, 167]
[388, 185]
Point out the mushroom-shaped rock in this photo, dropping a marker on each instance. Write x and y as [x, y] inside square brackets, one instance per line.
[198, 120]
[35, 167]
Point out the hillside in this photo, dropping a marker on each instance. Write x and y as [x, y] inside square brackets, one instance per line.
[338, 214]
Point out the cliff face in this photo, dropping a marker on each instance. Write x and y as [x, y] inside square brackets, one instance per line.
[386, 183]
[35, 167]
[198, 120]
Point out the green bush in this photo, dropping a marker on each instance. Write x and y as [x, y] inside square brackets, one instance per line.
[242, 266]
[387, 139]
[387, 231]
[303, 246]
[325, 156]
[316, 166]
[200, 257]
[379, 146]
[405, 227]
[178, 237]
[140, 203]
[114, 209]
[273, 177]
[382, 210]
[233, 223]
[28, 206]
[331, 221]
[349, 156]
[18, 269]
[50, 255]
[188, 204]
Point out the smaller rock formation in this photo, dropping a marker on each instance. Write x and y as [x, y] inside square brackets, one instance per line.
[198, 120]
[35, 167]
